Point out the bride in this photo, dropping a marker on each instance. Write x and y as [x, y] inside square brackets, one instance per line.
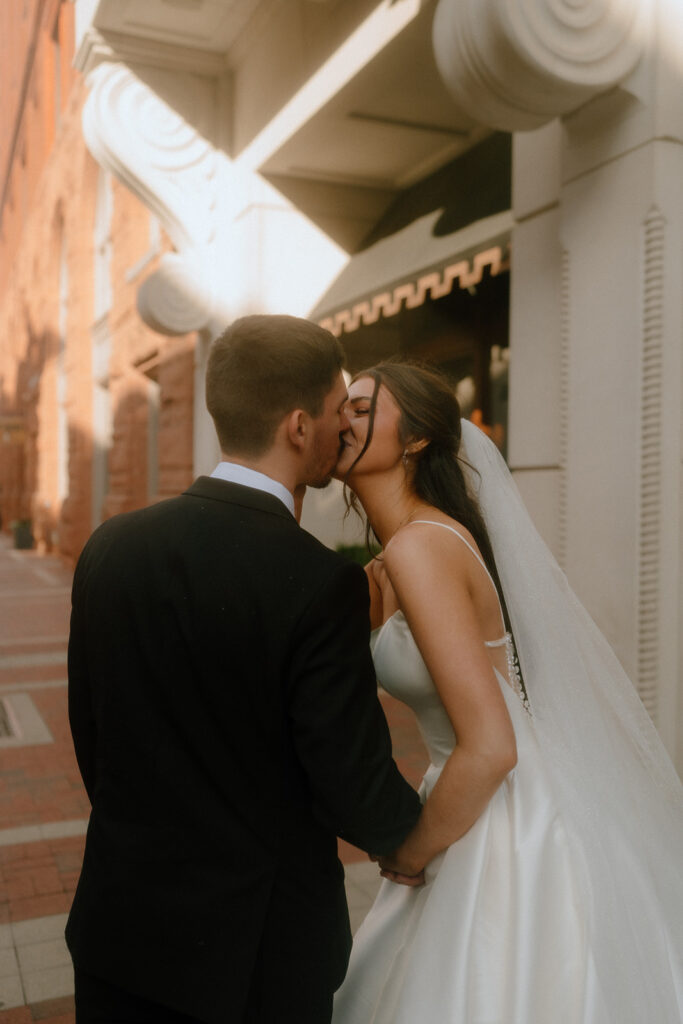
[551, 837]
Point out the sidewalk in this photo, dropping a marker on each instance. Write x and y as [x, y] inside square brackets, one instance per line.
[43, 806]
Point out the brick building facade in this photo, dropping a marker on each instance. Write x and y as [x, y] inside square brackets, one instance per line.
[95, 415]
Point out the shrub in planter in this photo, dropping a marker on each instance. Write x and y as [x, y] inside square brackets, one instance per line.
[357, 552]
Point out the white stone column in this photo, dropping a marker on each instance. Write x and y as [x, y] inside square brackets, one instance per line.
[596, 430]
[537, 409]
[621, 238]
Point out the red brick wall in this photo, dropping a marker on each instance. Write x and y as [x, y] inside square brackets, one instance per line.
[36, 79]
[57, 186]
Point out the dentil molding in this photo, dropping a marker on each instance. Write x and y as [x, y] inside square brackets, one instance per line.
[155, 150]
[516, 64]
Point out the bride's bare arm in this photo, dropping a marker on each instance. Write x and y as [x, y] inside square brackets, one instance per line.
[434, 582]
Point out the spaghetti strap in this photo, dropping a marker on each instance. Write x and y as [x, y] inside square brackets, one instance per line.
[482, 563]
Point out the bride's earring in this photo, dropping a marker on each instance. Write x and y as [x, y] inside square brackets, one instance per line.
[404, 459]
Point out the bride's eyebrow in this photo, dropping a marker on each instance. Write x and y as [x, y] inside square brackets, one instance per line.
[360, 398]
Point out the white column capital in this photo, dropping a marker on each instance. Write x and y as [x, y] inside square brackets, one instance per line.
[517, 64]
[153, 147]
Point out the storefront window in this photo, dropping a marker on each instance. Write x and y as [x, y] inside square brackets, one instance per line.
[494, 419]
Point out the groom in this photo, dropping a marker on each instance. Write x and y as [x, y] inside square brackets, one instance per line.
[225, 718]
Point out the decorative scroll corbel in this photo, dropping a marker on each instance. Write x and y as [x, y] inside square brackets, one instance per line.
[517, 64]
[153, 148]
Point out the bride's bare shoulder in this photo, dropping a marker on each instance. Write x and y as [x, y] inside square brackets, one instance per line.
[422, 536]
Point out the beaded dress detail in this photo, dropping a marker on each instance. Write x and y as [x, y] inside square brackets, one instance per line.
[514, 674]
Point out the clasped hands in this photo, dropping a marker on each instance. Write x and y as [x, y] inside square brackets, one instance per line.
[395, 870]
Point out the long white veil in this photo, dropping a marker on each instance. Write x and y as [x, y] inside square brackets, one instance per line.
[615, 787]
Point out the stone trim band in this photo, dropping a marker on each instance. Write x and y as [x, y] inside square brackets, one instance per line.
[411, 294]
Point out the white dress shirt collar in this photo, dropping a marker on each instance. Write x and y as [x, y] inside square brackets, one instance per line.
[237, 474]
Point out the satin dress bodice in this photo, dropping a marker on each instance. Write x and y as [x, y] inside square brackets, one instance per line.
[402, 672]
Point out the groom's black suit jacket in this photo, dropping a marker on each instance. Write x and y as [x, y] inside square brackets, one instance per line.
[225, 717]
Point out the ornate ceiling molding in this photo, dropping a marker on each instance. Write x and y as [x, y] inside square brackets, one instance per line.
[517, 64]
[158, 154]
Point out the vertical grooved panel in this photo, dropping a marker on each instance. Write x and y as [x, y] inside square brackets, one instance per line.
[650, 496]
[564, 406]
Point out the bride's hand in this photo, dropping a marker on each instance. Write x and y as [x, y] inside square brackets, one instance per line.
[397, 870]
[399, 879]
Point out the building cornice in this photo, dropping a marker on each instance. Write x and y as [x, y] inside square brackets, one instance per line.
[517, 64]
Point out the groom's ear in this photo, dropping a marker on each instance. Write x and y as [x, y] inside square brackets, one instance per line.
[296, 427]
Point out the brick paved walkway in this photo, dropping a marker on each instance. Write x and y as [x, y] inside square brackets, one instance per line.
[43, 806]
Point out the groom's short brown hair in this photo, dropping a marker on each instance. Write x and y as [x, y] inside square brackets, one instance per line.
[260, 369]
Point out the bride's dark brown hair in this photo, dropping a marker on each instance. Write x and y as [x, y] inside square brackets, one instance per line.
[429, 412]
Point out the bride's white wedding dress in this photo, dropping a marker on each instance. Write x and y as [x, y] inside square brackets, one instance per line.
[499, 933]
